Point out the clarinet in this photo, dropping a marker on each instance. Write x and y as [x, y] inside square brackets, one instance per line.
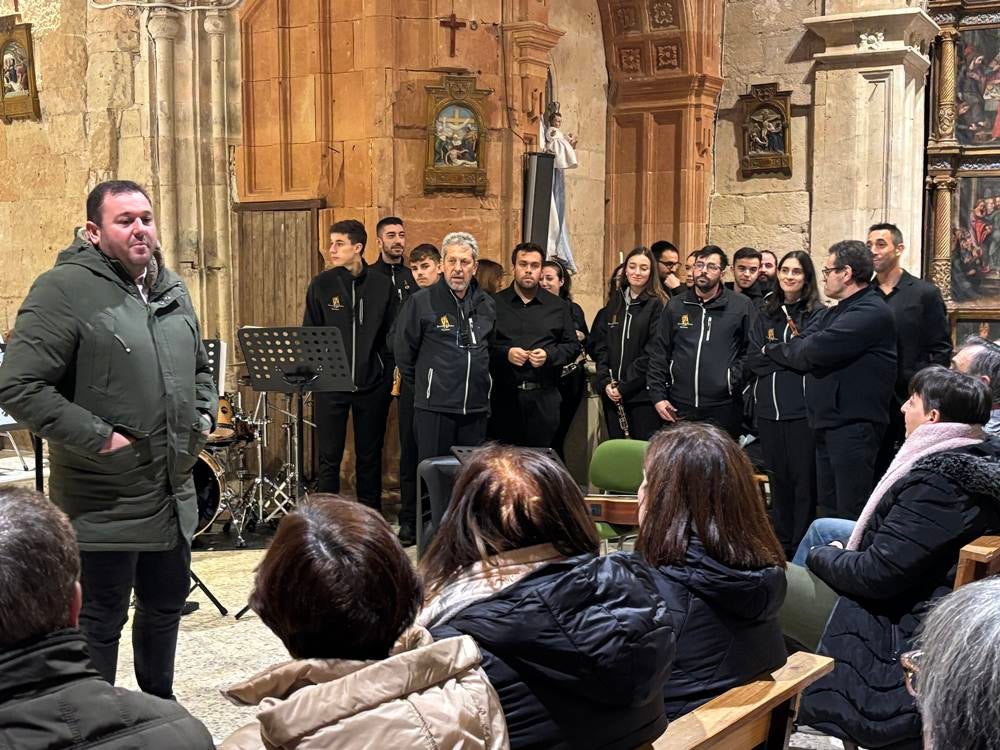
[622, 418]
[791, 323]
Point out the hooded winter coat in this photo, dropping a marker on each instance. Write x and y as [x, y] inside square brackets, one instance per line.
[727, 626]
[578, 651]
[907, 559]
[424, 695]
[88, 355]
[51, 698]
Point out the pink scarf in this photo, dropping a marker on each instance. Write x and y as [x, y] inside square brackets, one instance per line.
[928, 438]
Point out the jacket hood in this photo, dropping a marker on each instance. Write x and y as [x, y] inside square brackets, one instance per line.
[298, 697]
[82, 252]
[976, 469]
[593, 625]
[749, 595]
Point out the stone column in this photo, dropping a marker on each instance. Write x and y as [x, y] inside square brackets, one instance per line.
[164, 27]
[218, 258]
[944, 193]
[869, 126]
[946, 96]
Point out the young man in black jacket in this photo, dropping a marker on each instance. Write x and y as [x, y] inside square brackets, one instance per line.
[391, 262]
[349, 296]
[50, 693]
[696, 360]
[849, 355]
[535, 338]
[922, 331]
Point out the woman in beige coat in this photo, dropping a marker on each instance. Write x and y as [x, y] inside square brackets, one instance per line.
[339, 591]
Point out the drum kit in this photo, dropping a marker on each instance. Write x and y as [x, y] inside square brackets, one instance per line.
[231, 493]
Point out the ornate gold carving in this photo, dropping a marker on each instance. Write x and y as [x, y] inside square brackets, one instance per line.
[946, 95]
[944, 189]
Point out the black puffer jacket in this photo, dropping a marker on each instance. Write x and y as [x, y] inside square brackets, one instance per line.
[51, 698]
[907, 559]
[727, 626]
[578, 652]
[627, 327]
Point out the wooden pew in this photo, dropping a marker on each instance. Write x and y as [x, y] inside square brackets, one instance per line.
[757, 715]
[978, 559]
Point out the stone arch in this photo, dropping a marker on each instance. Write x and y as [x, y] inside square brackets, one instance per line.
[663, 59]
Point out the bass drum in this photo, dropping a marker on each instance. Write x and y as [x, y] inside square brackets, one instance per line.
[210, 487]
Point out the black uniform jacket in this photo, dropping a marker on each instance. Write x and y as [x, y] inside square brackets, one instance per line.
[697, 358]
[907, 560]
[399, 276]
[922, 329]
[578, 652]
[620, 345]
[51, 698]
[362, 307]
[849, 353]
[546, 322]
[442, 348]
[778, 392]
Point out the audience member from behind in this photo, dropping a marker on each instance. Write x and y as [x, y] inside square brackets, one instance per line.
[578, 646]
[941, 492]
[981, 358]
[50, 694]
[490, 276]
[720, 568]
[338, 590]
[956, 673]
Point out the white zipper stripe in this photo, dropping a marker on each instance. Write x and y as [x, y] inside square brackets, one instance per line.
[430, 379]
[697, 359]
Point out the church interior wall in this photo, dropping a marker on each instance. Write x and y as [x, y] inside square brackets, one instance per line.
[764, 42]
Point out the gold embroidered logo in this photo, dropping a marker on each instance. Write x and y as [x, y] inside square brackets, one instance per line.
[444, 324]
[770, 335]
[335, 303]
[685, 322]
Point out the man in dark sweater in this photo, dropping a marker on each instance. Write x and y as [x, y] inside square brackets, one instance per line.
[848, 353]
[361, 303]
[50, 693]
[922, 331]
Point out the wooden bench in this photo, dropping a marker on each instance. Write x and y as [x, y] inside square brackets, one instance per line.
[977, 560]
[758, 715]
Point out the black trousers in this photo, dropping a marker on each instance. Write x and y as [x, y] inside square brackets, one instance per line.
[161, 581]
[408, 459]
[526, 418]
[790, 453]
[437, 431]
[727, 416]
[571, 390]
[892, 438]
[845, 467]
[642, 418]
[370, 410]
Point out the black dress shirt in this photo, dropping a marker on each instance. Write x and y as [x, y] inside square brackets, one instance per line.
[545, 322]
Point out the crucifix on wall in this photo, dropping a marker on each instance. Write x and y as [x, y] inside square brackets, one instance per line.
[454, 24]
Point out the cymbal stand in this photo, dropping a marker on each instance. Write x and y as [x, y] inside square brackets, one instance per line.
[289, 489]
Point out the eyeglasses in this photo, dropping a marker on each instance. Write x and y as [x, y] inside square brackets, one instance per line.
[910, 662]
[827, 271]
[701, 266]
[669, 263]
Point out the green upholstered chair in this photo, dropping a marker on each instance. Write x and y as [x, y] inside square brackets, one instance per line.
[616, 469]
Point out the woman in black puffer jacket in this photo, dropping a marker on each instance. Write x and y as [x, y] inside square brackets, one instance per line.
[900, 559]
[720, 568]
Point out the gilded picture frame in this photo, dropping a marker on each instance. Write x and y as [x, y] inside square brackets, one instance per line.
[456, 136]
[18, 90]
[765, 125]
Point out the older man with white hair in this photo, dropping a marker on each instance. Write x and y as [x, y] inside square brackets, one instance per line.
[442, 351]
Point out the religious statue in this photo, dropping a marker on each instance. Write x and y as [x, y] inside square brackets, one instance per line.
[563, 148]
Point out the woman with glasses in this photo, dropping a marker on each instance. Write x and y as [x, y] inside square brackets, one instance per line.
[627, 324]
[883, 572]
[779, 400]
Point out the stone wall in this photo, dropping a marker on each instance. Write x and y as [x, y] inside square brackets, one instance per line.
[580, 81]
[763, 42]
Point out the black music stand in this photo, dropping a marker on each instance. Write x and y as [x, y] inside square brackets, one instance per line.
[296, 360]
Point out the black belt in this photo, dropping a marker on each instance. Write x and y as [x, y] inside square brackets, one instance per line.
[530, 385]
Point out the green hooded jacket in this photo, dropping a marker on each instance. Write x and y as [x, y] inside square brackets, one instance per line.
[88, 356]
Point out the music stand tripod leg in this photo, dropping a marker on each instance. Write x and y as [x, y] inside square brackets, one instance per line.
[199, 584]
[242, 612]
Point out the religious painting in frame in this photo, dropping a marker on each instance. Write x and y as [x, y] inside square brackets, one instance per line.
[765, 119]
[456, 136]
[965, 323]
[18, 92]
[977, 88]
[975, 251]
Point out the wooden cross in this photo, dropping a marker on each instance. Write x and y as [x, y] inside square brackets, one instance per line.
[454, 24]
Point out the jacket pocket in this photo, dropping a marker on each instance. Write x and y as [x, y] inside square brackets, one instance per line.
[101, 353]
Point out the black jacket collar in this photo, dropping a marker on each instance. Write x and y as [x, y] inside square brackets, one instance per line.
[43, 664]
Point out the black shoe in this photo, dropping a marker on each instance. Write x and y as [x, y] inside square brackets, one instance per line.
[189, 607]
[407, 535]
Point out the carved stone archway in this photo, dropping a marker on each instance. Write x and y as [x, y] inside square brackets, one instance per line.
[663, 61]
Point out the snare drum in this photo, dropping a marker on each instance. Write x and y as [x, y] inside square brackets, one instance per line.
[225, 427]
[210, 487]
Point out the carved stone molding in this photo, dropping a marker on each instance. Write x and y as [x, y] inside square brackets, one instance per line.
[668, 56]
[531, 43]
[662, 14]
